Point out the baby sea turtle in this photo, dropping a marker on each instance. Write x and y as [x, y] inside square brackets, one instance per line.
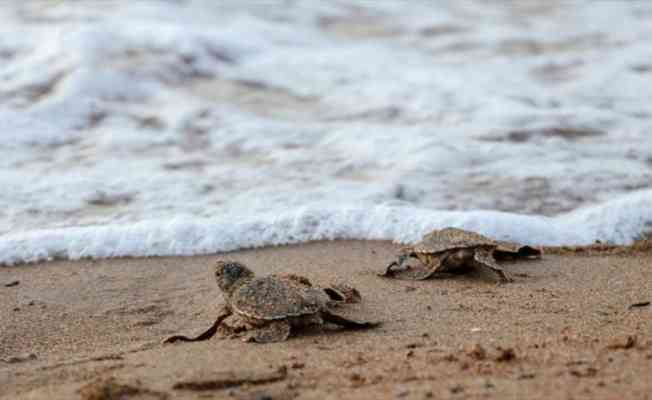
[266, 308]
[453, 250]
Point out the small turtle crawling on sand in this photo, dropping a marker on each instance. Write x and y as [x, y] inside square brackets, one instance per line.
[453, 250]
[265, 309]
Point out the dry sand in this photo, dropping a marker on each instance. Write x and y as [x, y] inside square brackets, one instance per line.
[564, 329]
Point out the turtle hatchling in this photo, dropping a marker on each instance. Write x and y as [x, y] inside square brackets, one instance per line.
[453, 250]
[266, 309]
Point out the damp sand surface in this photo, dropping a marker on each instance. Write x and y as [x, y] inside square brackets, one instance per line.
[574, 325]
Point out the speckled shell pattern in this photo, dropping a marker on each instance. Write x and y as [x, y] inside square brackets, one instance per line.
[273, 298]
[451, 239]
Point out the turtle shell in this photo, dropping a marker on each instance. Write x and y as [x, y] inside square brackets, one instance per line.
[451, 239]
[274, 297]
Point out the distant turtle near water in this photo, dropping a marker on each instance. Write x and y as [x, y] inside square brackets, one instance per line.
[453, 250]
[265, 309]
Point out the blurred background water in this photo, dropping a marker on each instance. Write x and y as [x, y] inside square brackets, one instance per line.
[123, 114]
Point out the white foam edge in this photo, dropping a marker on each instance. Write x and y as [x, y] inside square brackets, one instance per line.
[618, 221]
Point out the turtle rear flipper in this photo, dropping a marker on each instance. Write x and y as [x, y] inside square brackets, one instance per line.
[207, 334]
[276, 331]
[512, 251]
[343, 293]
[484, 258]
[347, 322]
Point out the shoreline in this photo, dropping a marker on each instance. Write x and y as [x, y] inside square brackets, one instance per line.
[401, 224]
[574, 324]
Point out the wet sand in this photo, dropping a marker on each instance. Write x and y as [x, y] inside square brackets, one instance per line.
[565, 329]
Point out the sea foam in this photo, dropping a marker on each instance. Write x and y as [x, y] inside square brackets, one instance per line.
[618, 221]
[163, 127]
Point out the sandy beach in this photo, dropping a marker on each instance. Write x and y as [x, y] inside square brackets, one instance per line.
[144, 141]
[573, 325]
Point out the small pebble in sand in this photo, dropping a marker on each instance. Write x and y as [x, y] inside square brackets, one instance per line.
[297, 365]
[505, 354]
[588, 372]
[457, 389]
[477, 352]
[357, 379]
[623, 343]
[413, 345]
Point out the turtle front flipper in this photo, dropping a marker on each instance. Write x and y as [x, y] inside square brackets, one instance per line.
[209, 333]
[395, 269]
[389, 271]
[276, 331]
[419, 273]
[347, 322]
[485, 259]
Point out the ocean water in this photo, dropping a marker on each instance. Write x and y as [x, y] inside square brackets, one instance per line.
[190, 127]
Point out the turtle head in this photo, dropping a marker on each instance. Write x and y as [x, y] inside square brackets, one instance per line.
[229, 274]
